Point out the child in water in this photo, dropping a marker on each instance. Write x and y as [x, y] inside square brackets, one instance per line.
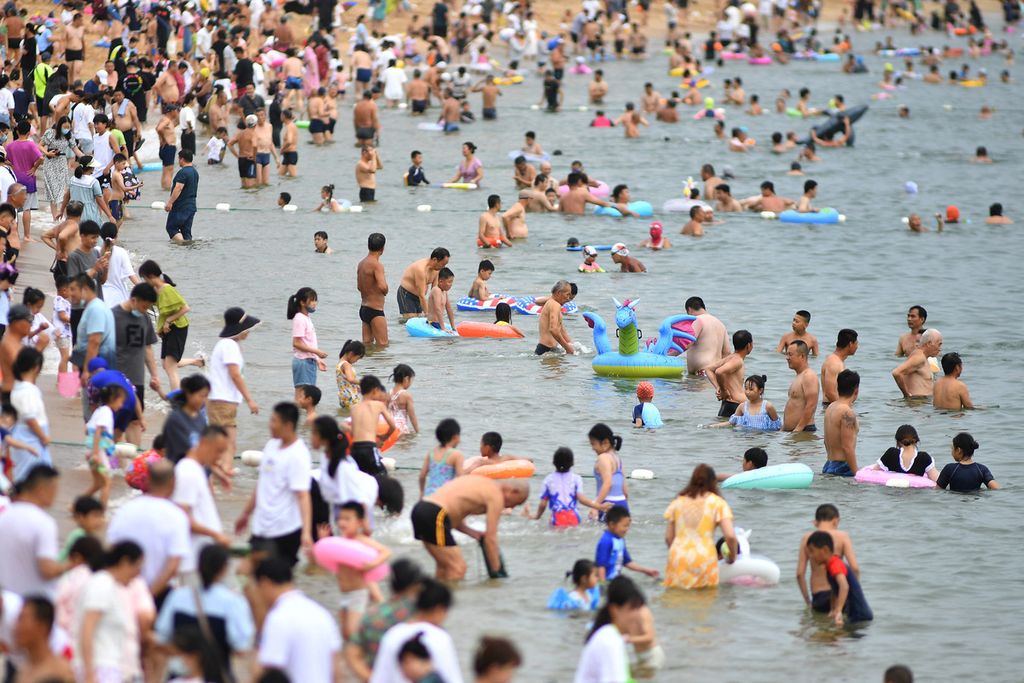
[444, 462]
[438, 304]
[611, 482]
[611, 554]
[965, 475]
[345, 374]
[753, 459]
[585, 593]
[328, 204]
[949, 392]
[818, 598]
[478, 290]
[503, 316]
[645, 413]
[846, 599]
[801, 320]
[563, 490]
[590, 264]
[355, 592]
[755, 413]
[400, 401]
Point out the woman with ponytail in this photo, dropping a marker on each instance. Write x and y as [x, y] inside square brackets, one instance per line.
[611, 482]
[307, 354]
[690, 533]
[107, 647]
[604, 658]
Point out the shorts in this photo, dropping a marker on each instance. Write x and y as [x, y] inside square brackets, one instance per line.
[43, 106]
[419, 106]
[431, 525]
[822, 601]
[293, 83]
[619, 45]
[367, 314]
[367, 194]
[285, 547]
[354, 601]
[837, 468]
[289, 158]
[62, 342]
[32, 201]
[123, 418]
[167, 154]
[316, 126]
[303, 371]
[728, 409]
[407, 301]
[222, 413]
[14, 43]
[364, 75]
[246, 169]
[650, 660]
[329, 127]
[542, 349]
[490, 113]
[810, 428]
[173, 345]
[558, 74]
[592, 44]
[366, 133]
[490, 243]
[263, 158]
[74, 55]
[451, 127]
[115, 209]
[129, 140]
[367, 457]
[180, 222]
[638, 50]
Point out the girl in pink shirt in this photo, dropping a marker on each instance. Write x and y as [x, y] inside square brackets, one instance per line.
[307, 354]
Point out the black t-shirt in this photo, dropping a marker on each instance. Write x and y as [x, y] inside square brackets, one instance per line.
[964, 478]
[243, 72]
[922, 462]
[440, 14]
[218, 51]
[21, 103]
[251, 104]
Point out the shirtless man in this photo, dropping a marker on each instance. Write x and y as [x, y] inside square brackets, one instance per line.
[996, 217]
[292, 73]
[167, 132]
[490, 93]
[434, 518]
[166, 86]
[243, 147]
[726, 375]
[630, 120]
[417, 92]
[515, 218]
[373, 288]
[74, 47]
[810, 192]
[819, 597]
[576, 199]
[695, 226]
[736, 95]
[598, 88]
[914, 375]
[366, 173]
[421, 274]
[289, 161]
[803, 391]
[651, 99]
[523, 173]
[798, 331]
[550, 324]
[769, 201]
[626, 263]
[126, 120]
[841, 427]
[489, 227]
[949, 392]
[916, 318]
[711, 181]
[712, 338]
[366, 415]
[366, 120]
[263, 135]
[63, 238]
[846, 346]
[725, 202]
[451, 112]
[317, 115]
[668, 113]
[31, 638]
[362, 70]
[539, 202]
[217, 109]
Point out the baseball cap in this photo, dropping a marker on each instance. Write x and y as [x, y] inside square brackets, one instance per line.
[589, 250]
[620, 249]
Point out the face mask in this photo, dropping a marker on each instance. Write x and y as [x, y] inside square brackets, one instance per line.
[65, 131]
[3, 139]
[311, 310]
[136, 314]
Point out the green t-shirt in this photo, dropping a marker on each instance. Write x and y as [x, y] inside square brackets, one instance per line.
[40, 75]
[169, 302]
[78, 533]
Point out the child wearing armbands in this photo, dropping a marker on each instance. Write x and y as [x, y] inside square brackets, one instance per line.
[585, 593]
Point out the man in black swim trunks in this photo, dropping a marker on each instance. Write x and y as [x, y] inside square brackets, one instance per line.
[434, 518]
[421, 274]
[552, 331]
[366, 173]
[373, 287]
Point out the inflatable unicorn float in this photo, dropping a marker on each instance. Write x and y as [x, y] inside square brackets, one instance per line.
[674, 335]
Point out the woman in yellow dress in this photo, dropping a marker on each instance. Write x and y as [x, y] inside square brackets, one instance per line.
[690, 532]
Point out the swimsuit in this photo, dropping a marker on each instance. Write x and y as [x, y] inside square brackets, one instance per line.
[439, 473]
[838, 468]
[366, 133]
[363, 75]
[542, 349]
[400, 416]
[491, 242]
[728, 408]
[760, 421]
[367, 314]
[348, 392]
[430, 524]
[419, 106]
[367, 456]
[590, 268]
[167, 153]
[490, 113]
[615, 494]
[407, 301]
[367, 194]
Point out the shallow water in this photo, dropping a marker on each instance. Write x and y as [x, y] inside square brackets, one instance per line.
[937, 568]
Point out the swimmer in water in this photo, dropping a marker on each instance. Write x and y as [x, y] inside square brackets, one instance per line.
[725, 202]
[551, 329]
[801, 320]
[841, 427]
[490, 226]
[590, 264]
[531, 146]
[949, 392]
[753, 458]
[810, 192]
[695, 226]
[803, 391]
[914, 375]
[808, 153]
[769, 201]
[778, 146]
[328, 204]
[631, 120]
[503, 316]
[995, 215]
[515, 217]
[846, 346]
[726, 374]
[656, 240]
[598, 89]
[320, 243]
[795, 169]
[819, 597]
[626, 263]
[981, 156]
[523, 173]
[478, 290]
[915, 224]
[916, 317]
[438, 304]
[755, 106]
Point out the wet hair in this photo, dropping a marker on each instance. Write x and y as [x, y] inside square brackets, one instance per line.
[439, 254]
[486, 264]
[356, 507]
[445, 274]
[756, 456]
[352, 346]
[776, 137]
[981, 151]
[995, 209]
[125, 550]
[905, 432]
[826, 512]
[369, 383]
[757, 380]
[695, 210]
[615, 514]
[311, 392]
[446, 430]
[319, 234]
[503, 313]
[493, 653]
[966, 443]
[950, 362]
[213, 558]
[602, 432]
[287, 412]
[701, 481]
[619, 189]
[390, 494]
[768, 185]
[27, 360]
[847, 382]
[741, 339]
[810, 185]
[401, 372]
[519, 160]
[85, 505]
[921, 312]
[149, 268]
[722, 187]
[336, 441]
[806, 315]
[303, 296]
[563, 459]
[622, 592]
[845, 337]
[493, 440]
[694, 303]
[433, 595]
[820, 539]
[898, 673]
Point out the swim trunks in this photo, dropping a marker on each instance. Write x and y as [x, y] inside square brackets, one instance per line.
[363, 75]
[367, 456]
[74, 55]
[558, 73]
[541, 349]
[367, 194]
[246, 168]
[293, 83]
[490, 113]
[407, 301]
[492, 242]
[419, 106]
[451, 127]
[727, 409]
[167, 154]
[289, 158]
[366, 133]
[367, 314]
[822, 601]
[810, 428]
[263, 158]
[838, 468]
[316, 126]
[431, 525]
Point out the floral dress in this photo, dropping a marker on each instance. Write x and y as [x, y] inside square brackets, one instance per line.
[348, 392]
[55, 170]
[692, 558]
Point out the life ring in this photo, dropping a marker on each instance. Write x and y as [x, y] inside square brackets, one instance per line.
[732, 56]
[789, 475]
[827, 57]
[749, 570]
[642, 209]
[491, 330]
[826, 216]
[508, 80]
[468, 303]
[459, 186]
[897, 480]
[382, 429]
[972, 84]
[419, 327]
[513, 153]
[510, 469]
[601, 191]
[334, 551]
[759, 61]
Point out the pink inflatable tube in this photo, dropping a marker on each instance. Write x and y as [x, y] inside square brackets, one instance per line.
[760, 61]
[893, 479]
[334, 551]
[732, 55]
[601, 191]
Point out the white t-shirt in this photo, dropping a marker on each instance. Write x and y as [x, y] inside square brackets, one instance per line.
[161, 529]
[61, 305]
[27, 533]
[349, 483]
[6, 100]
[60, 641]
[102, 420]
[192, 489]
[27, 399]
[284, 471]
[187, 119]
[301, 639]
[214, 148]
[225, 352]
[116, 624]
[438, 643]
[7, 178]
[81, 117]
[118, 288]
[604, 658]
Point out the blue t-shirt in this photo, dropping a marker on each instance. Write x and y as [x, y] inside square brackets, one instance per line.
[189, 178]
[5, 306]
[650, 416]
[611, 554]
[416, 176]
[856, 607]
[97, 318]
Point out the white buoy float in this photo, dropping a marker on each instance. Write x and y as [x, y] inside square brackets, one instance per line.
[584, 107]
[905, 220]
[356, 209]
[641, 474]
[769, 215]
[535, 107]
[842, 218]
[252, 458]
[223, 206]
[126, 451]
[289, 208]
[423, 208]
[389, 464]
[158, 205]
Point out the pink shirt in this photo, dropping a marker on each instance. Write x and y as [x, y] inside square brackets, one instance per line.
[23, 155]
[302, 329]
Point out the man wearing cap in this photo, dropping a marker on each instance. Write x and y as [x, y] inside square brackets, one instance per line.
[656, 241]
[181, 205]
[227, 386]
[19, 324]
[627, 263]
